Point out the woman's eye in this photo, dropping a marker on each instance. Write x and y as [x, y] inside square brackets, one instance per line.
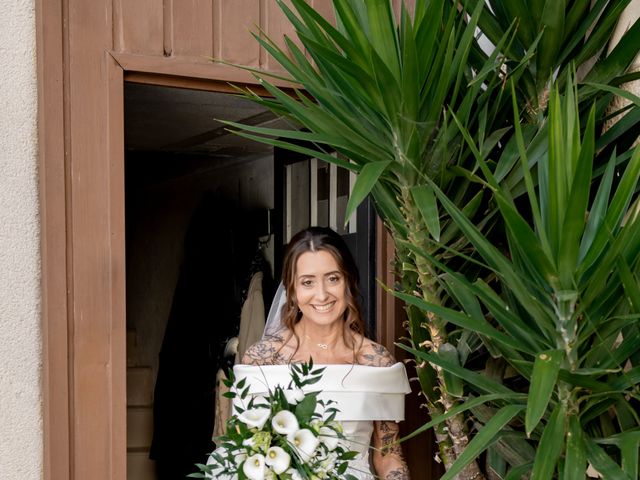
[334, 279]
[306, 283]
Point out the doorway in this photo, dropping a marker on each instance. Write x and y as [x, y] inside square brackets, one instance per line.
[204, 210]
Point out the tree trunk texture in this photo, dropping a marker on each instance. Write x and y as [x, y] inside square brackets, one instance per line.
[630, 14]
[453, 439]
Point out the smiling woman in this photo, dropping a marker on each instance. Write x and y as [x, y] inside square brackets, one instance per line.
[321, 319]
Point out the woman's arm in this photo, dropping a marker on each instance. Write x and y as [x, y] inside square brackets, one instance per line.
[387, 455]
[265, 352]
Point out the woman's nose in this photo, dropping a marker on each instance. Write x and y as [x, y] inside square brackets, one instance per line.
[321, 291]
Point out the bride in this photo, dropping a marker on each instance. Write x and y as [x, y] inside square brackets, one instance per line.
[320, 318]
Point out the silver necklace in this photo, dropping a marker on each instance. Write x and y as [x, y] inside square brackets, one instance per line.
[323, 346]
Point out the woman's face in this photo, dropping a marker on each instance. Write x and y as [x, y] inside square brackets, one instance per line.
[320, 288]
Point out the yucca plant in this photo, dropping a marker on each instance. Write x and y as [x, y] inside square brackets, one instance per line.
[563, 310]
[396, 97]
[380, 96]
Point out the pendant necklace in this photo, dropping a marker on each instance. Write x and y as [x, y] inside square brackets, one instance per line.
[323, 346]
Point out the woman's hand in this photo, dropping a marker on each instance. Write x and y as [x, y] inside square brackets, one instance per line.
[387, 454]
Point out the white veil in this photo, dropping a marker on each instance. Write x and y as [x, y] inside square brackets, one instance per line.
[274, 319]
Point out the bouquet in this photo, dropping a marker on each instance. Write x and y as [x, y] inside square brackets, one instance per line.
[287, 434]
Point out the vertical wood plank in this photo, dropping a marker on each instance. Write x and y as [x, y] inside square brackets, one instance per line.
[234, 22]
[53, 200]
[97, 430]
[138, 26]
[192, 28]
[325, 8]
[276, 25]
[117, 269]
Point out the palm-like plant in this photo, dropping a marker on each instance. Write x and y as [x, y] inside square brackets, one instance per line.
[380, 97]
[402, 100]
[565, 309]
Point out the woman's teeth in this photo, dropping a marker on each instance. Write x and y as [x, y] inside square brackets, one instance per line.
[323, 308]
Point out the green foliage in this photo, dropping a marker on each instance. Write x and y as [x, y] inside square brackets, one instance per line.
[424, 115]
[568, 274]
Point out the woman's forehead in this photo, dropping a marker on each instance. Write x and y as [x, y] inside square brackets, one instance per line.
[316, 263]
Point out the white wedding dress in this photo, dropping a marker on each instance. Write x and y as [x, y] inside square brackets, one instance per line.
[362, 393]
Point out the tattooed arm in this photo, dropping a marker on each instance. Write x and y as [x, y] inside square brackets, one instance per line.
[265, 352]
[387, 455]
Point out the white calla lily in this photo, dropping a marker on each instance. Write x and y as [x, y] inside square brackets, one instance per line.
[294, 395]
[329, 437]
[254, 467]
[255, 417]
[305, 443]
[278, 459]
[285, 422]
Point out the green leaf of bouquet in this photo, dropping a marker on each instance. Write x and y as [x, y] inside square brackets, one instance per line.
[349, 455]
[305, 409]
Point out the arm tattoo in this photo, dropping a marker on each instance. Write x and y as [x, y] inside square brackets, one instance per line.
[398, 474]
[265, 352]
[375, 355]
[388, 433]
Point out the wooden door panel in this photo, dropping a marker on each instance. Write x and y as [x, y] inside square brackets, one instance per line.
[191, 28]
[139, 26]
[234, 22]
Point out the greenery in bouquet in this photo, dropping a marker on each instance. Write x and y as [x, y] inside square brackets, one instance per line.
[288, 434]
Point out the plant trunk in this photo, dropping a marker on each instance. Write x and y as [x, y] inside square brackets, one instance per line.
[453, 439]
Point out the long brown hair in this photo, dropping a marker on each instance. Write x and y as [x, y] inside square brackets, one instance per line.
[315, 239]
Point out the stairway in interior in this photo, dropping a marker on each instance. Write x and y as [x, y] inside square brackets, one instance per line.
[139, 415]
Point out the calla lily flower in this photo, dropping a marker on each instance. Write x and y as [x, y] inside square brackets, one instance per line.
[294, 395]
[285, 422]
[255, 417]
[329, 437]
[254, 467]
[277, 459]
[305, 443]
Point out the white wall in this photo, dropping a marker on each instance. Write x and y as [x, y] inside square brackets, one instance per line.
[20, 332]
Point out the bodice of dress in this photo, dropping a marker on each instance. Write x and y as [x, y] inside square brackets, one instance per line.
[362, 394]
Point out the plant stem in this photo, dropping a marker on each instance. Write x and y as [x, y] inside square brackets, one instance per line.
[456, 439]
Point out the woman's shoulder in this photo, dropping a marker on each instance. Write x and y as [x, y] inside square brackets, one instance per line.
[268, 351]
[373, 354]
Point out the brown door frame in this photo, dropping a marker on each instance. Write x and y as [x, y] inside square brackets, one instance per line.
[81, 166]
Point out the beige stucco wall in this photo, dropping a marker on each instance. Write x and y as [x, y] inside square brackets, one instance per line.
[20, 332]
